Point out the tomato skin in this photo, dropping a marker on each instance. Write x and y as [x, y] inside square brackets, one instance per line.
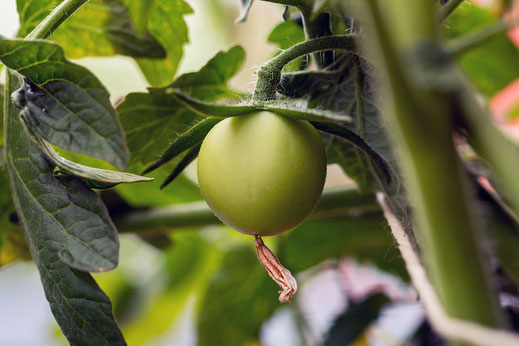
[262, 174]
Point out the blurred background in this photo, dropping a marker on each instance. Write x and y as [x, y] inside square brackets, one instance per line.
[206, 286]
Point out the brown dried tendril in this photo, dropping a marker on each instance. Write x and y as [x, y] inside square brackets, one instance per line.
[277, 272]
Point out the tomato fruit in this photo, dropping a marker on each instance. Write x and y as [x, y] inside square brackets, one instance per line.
[262, 174]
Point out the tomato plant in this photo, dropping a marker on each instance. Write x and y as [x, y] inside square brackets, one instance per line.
[393, 92]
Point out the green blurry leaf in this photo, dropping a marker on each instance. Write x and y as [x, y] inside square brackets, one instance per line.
[166, 23]
[67, 105]
[1, 117]
[102, 28]
[139, 11]
[491, 66]
[186, 271]
[157, 118]
[210, 83]
[353, 322]
[241, 296]
[285, 35]
[512, 114]
[181, 190]
[12, 242]
[32, 12]
[63, 220]
[364, 238]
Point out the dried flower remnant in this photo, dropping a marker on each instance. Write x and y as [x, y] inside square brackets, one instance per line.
[277, 272]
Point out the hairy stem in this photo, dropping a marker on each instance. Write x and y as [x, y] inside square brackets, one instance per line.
[338, 201]
[55, 18]
[447, 9]
[269, 74]
[422, 125]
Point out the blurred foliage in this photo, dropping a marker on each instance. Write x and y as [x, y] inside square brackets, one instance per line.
[491, 66]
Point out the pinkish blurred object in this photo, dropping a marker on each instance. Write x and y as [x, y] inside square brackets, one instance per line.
[363, 280]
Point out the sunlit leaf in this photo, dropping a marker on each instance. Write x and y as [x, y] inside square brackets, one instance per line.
[166, 23]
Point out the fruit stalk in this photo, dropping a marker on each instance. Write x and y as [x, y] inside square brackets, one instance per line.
[269, 74]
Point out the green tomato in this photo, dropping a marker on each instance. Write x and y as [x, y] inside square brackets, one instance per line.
[262, 174]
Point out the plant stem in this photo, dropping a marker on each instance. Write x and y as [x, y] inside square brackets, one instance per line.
[55, 18]
[447, 9]
[472, 40]
[338, 201]
[269, 74]
[422, 124]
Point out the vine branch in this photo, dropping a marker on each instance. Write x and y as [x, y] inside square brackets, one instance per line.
[472, 40]
[60, 14]
[269, 74]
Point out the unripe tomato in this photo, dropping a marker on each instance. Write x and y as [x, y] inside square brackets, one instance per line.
[262, 174]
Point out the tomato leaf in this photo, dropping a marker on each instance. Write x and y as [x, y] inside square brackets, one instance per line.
[103, 28]
[166, 23]
[184, 162]
[240, 297]
[64, 223]
[160, 115]
[65, 103]
[195, 134]
[350, 324]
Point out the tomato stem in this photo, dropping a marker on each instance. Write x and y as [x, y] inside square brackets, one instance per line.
[61, 13]
[447, 9]
[269, 74]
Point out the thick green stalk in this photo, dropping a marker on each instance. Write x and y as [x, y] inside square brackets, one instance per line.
[269, 74]
[334, 202]
[446, 225]
[55, 18]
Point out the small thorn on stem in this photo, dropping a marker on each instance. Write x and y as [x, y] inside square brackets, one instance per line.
[277, 272]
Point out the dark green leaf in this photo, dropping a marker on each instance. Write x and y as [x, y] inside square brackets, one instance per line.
[354, 321]
[166, 23]
[155, 119]
[186, 140]
[67, 105]
[101, 176]
[364, 237]
[63, 220]
[491, 66]
[102, 28]
[353, 161]
[186, 160]
[240, 297]
[1, 117]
